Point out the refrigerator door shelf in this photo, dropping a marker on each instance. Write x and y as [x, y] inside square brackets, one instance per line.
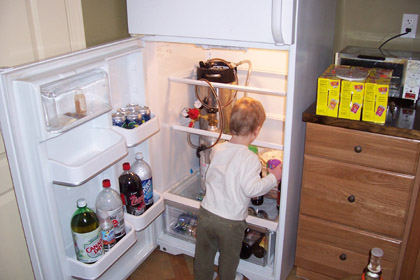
[81, 270]
[76, 99]
[142, 221]
[139, 134]
[77, 156]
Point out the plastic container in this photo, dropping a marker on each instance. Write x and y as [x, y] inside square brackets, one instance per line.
[108, 203]
[73, 100]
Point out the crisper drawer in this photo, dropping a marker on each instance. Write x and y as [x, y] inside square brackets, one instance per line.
[365, 198]
[181, 222]
[338, 251]
[368, 149]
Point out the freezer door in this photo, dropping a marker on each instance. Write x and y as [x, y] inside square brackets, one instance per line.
[218, 21]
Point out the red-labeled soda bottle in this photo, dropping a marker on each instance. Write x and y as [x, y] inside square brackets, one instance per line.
[131, 191]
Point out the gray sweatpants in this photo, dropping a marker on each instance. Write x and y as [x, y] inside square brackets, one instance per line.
[216, 233]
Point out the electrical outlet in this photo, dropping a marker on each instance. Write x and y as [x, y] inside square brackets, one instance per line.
[409, 21]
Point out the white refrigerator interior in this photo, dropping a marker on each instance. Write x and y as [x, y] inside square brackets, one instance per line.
[58, 155]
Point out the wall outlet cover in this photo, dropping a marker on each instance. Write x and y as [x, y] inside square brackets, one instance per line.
[409, 21]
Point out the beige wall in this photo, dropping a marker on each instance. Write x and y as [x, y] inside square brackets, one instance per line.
[14, 259]
[369, 23]
[104, 21]
[29, 31]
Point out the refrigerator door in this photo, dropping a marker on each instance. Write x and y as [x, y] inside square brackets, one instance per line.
[253, 21]
[59, 153]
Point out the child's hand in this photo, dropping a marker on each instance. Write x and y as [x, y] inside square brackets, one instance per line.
[277, 171]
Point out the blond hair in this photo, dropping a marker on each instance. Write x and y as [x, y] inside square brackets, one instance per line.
[247, 115]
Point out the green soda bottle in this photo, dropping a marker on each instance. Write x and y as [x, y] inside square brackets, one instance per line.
[87, 238]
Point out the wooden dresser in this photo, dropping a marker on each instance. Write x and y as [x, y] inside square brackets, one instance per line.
[359, 190]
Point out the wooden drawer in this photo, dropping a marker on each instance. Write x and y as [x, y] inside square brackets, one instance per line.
[364, 198]
[338, 251]
[379, 151]
[307, 274]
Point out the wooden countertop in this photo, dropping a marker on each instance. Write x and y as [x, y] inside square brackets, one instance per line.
[396, 124]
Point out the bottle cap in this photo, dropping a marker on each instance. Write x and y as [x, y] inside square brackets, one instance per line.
[139, 155]
[126, 166]
[106, 183]
[377, 252]
[81, 203]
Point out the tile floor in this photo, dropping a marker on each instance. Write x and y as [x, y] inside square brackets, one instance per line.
[164, 266]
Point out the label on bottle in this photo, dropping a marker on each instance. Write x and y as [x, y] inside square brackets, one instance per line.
[117, 218]
[108, 238]
[147, 190]
[134, 203]
[88, 246]
[252, 237]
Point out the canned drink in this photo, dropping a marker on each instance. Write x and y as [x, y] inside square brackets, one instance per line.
[133, 120]
[118, 119]
[123, 111]
[186, 225]
[145, 113]
[132, 107]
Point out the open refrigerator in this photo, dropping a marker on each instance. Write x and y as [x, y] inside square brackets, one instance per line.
[57, 156]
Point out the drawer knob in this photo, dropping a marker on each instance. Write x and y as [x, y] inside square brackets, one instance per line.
[358, 148]
[351, 198]
[343, 257]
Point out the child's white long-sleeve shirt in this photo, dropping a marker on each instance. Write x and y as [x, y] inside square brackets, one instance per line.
[233, 177]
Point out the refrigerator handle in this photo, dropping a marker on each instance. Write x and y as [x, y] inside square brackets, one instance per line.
[276, 12]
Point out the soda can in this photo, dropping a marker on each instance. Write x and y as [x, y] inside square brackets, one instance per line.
[133, 120]
[145, 113]
[123, 111]
[118, 119]
[132, 107]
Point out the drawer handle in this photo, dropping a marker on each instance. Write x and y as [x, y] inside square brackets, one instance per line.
[351, 198]
[343, 257]
[358, 148]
